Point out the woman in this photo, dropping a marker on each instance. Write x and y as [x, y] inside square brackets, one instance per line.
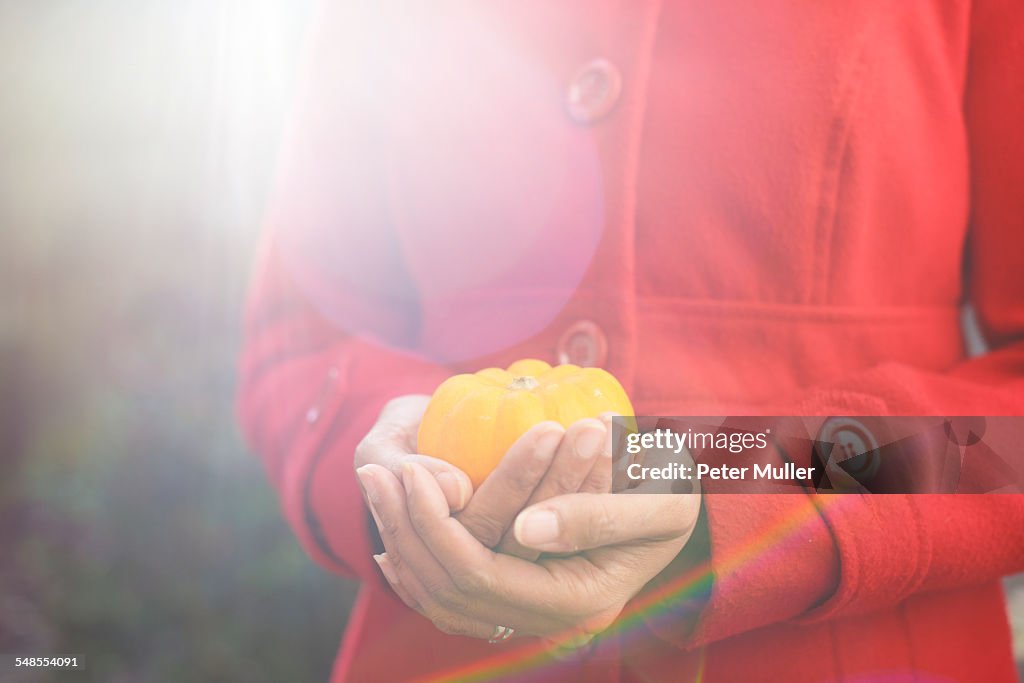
[736, 209]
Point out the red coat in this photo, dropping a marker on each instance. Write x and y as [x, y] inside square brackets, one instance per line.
[772, 208]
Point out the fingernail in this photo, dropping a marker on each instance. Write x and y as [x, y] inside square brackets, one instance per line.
[547, 443]
[588, 443]
[537, 527]
[609, 440]
[369, 483]
[455, 489]
[386, 569]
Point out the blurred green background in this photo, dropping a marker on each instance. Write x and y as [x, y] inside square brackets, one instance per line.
[137, 144]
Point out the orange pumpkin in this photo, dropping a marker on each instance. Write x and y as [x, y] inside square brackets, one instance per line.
[473, 419]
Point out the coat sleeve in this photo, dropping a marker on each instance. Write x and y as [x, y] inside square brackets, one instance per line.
[791, 557]
[307, 394]
[330, 301]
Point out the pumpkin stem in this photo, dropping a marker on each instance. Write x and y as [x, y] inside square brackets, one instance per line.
[524, 382]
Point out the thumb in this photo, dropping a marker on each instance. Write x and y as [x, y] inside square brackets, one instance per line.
[582, 521]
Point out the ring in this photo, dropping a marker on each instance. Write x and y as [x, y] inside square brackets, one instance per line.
[501, 634]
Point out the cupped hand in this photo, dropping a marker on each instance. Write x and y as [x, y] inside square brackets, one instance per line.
[546, 461]
[619, 543]
[391, 444]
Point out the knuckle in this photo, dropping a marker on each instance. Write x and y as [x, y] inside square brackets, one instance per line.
[484, 528]
[523, 480]
[565, 481]
[526, 477]
[457, 602]
[396, 561]
[419, 519]
[451, 625]
[601, 524]
[445, 593]
[388, 523]
[363, 452]
[473, 580]
[599, 480]
[433, 585]
[602, 484]
[451, 598]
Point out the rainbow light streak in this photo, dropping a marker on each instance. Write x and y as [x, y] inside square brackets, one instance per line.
[658, 601]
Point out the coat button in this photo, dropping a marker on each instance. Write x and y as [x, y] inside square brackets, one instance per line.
[855, 452]
[583, 344]
[593, 91]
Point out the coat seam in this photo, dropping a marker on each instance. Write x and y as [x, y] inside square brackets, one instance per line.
[836, 154]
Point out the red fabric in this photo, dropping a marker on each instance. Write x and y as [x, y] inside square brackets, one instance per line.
[775, 217]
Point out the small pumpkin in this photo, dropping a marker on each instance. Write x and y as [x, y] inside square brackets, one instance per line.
[473, 419]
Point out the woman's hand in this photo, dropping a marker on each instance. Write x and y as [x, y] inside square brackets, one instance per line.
[547, 461]
[391, 444]
[437, 567]
[578, 459]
